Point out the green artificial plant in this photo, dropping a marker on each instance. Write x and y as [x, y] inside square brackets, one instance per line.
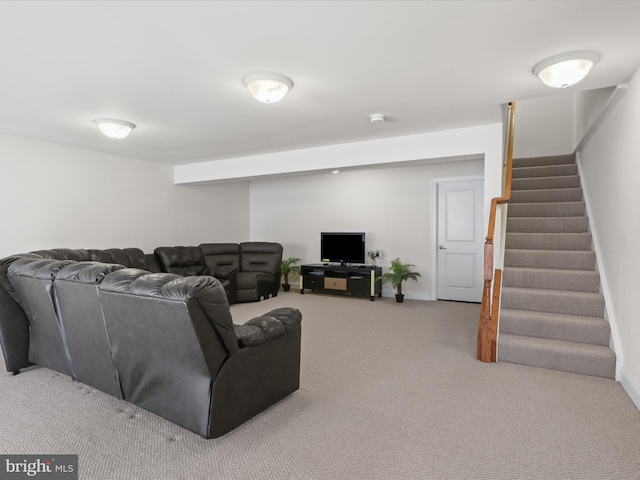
[287, 267]
[398, 273]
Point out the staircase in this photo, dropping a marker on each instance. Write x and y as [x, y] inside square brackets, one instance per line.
[552, 313]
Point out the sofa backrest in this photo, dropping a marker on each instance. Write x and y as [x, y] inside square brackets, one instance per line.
[261, 257]
[223, 258]
[77, 255]
[170, 336]
[128, 257]
[33, 284]
[185, 261]
[14, 324]
[80, 315]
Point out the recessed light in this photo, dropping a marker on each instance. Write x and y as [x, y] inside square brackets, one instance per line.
[335, 171]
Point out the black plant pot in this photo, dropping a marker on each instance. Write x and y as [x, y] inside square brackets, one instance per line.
[399, 298]
[286, 287]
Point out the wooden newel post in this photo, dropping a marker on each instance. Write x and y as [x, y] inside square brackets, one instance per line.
[484, 326]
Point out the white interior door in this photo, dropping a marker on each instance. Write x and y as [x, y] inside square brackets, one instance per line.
[460, 240]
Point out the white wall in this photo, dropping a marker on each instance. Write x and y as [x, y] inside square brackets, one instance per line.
[610, 175]
[392, 205]
[588, 106]
[56, 196]
[354, 159]
[544, 126]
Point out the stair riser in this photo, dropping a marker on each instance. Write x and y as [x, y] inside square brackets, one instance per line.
[565, 330]
[549, 195]
[550, 259]
[551, 209]
[549, 241]
[572, 280]
[587, 304]
[567, 333]
[547, 225]
[545, 171]
[538, 161]
[545, 183]
[594, 365]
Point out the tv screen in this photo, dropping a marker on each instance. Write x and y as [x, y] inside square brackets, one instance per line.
[343, 247]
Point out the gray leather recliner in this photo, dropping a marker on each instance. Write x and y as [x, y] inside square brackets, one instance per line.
[179, 355]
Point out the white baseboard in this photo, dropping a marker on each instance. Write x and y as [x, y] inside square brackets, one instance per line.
[632, 390]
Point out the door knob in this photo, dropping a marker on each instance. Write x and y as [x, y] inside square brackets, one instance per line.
[442, 248]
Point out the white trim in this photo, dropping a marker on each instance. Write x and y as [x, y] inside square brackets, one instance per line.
[632, 390]
[435, 184]
[616, 345]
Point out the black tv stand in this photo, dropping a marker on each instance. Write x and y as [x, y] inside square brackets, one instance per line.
[355, 279]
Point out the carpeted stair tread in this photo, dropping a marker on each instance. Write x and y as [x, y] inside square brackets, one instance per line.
[555, 326]
[567, 181]
[587, 304]
[546, 195]
[548, 241]
[548, 224]
[564, 259]
[538, 161]
[595, 360]
[552, 311]
[547, 209]
[545, 171]
[552, 279]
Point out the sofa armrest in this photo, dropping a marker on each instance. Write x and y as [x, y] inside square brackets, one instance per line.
[288, 316]
[269, 326]
[258, 331]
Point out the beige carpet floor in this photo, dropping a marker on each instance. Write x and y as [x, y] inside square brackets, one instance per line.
[388, 391]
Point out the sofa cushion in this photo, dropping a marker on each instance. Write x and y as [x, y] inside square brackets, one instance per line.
[185, 261]
[223, 258]
[246, 280]
[260, 257]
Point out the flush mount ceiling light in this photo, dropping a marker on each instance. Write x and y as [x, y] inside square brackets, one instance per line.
[268, 87]
[566, 69]
[114, 128]
[377, 118]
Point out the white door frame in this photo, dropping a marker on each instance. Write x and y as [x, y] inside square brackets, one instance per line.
[435, 185]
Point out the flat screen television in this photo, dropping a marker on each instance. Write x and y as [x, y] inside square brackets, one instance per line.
[343, 247]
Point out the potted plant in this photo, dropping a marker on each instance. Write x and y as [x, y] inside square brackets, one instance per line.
[398, 273]
[288, 266]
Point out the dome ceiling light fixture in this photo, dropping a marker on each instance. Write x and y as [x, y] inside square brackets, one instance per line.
[268, 87]
[566, 69]
[377, 118]
[113, 128]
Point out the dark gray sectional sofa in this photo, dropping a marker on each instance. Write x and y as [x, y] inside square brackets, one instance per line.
[164, 341]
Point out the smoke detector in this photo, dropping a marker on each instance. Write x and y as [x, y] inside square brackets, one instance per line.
[377, 118]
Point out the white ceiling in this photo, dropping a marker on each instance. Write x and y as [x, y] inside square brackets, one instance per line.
[175, 68]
